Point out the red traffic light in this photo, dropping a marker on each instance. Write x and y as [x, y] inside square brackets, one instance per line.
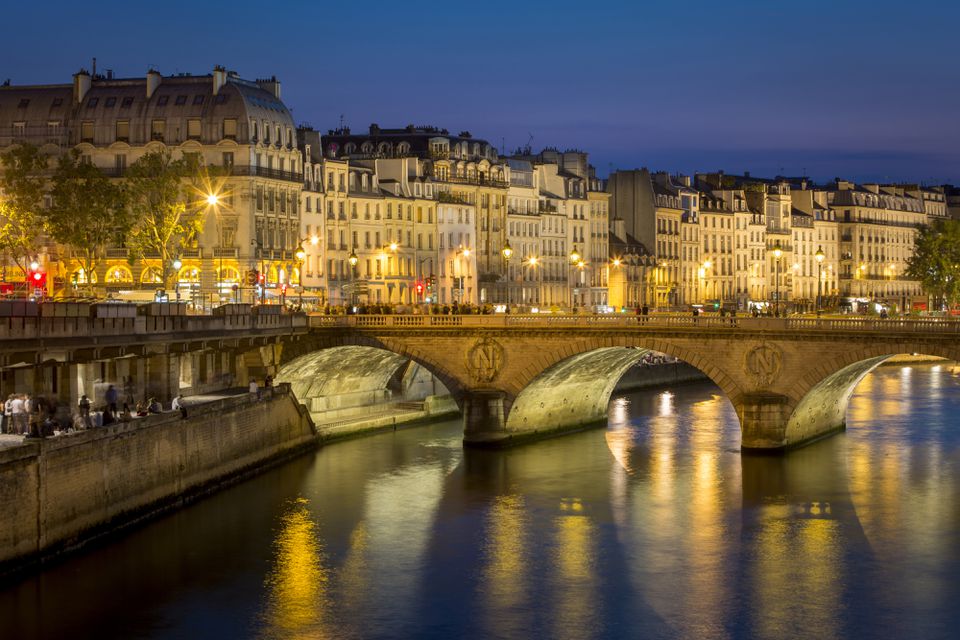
[419, 287]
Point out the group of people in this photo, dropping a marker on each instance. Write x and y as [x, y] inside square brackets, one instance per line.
[26, 415]
[36, 416]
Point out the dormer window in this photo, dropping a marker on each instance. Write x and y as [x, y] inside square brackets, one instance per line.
[181, 100]
[198, 99]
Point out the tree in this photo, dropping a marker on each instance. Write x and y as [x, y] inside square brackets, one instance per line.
[22, 184]
[88, 211]
[164, 199]
[935, 262]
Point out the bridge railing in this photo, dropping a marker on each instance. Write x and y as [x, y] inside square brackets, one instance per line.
[891, 325]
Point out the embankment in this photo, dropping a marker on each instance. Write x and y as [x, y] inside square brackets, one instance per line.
[58, 493]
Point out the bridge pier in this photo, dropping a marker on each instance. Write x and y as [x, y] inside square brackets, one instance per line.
[763, 420]
[485, 418]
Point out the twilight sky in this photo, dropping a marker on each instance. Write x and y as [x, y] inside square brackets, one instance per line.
[866, 89]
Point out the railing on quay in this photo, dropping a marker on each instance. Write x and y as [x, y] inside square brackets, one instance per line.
[144, 328]
[653, 322]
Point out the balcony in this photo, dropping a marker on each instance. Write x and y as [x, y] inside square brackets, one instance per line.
[225, 252]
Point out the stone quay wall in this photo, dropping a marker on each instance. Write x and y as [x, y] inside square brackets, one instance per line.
[58, 493]
[657, 375]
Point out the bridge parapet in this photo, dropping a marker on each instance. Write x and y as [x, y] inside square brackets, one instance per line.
[858, 325]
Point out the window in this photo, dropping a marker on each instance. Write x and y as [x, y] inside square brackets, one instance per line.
[228, 159]
[57, 102]
[162, 100]
[180, 100]
[120, 162]
[193, 129]
[230, 128]
[197, 99]
[221, 98]
[126, 103]
[86, 131]
[91, 103]
[157, 129]
[123, 130]
[23, 103]
[259, 198]
[20, 129]
[110, 102]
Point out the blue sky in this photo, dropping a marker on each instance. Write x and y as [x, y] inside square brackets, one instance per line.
[863, 89]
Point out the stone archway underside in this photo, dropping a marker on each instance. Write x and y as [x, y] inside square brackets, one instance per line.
[573, 393]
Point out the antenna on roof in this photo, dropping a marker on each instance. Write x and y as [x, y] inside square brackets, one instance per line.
[341, 121]
[94, 68]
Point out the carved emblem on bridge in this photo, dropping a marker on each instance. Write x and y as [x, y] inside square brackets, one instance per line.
[484, 360]
[764, 363]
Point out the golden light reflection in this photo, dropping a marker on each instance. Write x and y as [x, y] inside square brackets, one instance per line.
[575, 605]
[796, 573]
[505, 582]
[665, 404]
[298, 583]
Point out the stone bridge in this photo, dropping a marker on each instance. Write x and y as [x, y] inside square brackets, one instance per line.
[517, 378]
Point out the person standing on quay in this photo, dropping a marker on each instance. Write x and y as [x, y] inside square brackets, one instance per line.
[19, 417]
[111, 397]
[8, 426]
[84, 406]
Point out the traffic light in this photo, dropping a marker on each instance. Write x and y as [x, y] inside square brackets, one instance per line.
[37, 279]
[252, 277]
[419, 288]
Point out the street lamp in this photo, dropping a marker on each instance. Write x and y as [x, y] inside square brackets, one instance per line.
[353, 260]
[507, 252]
[463, 253]
[777, 252]
[819, 256]
[301, 254]
[533, 262]
[574, 261]
[177, 263]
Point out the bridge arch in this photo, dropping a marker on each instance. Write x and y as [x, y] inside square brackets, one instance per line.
[343, 382]
[566, 385]
[823, 394]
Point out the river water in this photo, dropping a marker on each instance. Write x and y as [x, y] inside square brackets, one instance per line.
[656, 527]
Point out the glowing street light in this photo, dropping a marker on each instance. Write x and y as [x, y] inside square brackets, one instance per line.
[777, 253]
[213, 199]
[819, 256]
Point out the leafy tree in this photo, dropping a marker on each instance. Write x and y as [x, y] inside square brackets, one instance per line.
[936, 260]
[165, 197]
[88, 211]
[22, 184]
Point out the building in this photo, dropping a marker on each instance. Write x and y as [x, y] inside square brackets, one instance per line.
[239, 125]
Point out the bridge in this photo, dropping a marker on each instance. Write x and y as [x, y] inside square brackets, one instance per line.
[523, 377]
[514, 377]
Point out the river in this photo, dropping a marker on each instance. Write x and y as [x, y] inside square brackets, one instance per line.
[656, 527]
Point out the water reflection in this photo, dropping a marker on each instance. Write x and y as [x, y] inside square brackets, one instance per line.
[656, 527]
[298, 603]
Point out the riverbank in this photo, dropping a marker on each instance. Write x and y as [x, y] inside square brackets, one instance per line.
[57, 494]
[370, 420]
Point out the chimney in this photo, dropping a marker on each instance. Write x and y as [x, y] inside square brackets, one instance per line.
[619, 228]
[81, 85]
[272, 85]
[219, 78]
[374, 129]
[153, 81]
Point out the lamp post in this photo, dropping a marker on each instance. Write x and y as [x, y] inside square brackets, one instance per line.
[574, 261]
[533, 262]
[507, 252]
[461, 254]
[301, 256]
[353, 264]
[777, 252]
[212, 201]
[176, 274]
[819, 256]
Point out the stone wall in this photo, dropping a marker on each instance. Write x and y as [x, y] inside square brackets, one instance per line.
[60, 492]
